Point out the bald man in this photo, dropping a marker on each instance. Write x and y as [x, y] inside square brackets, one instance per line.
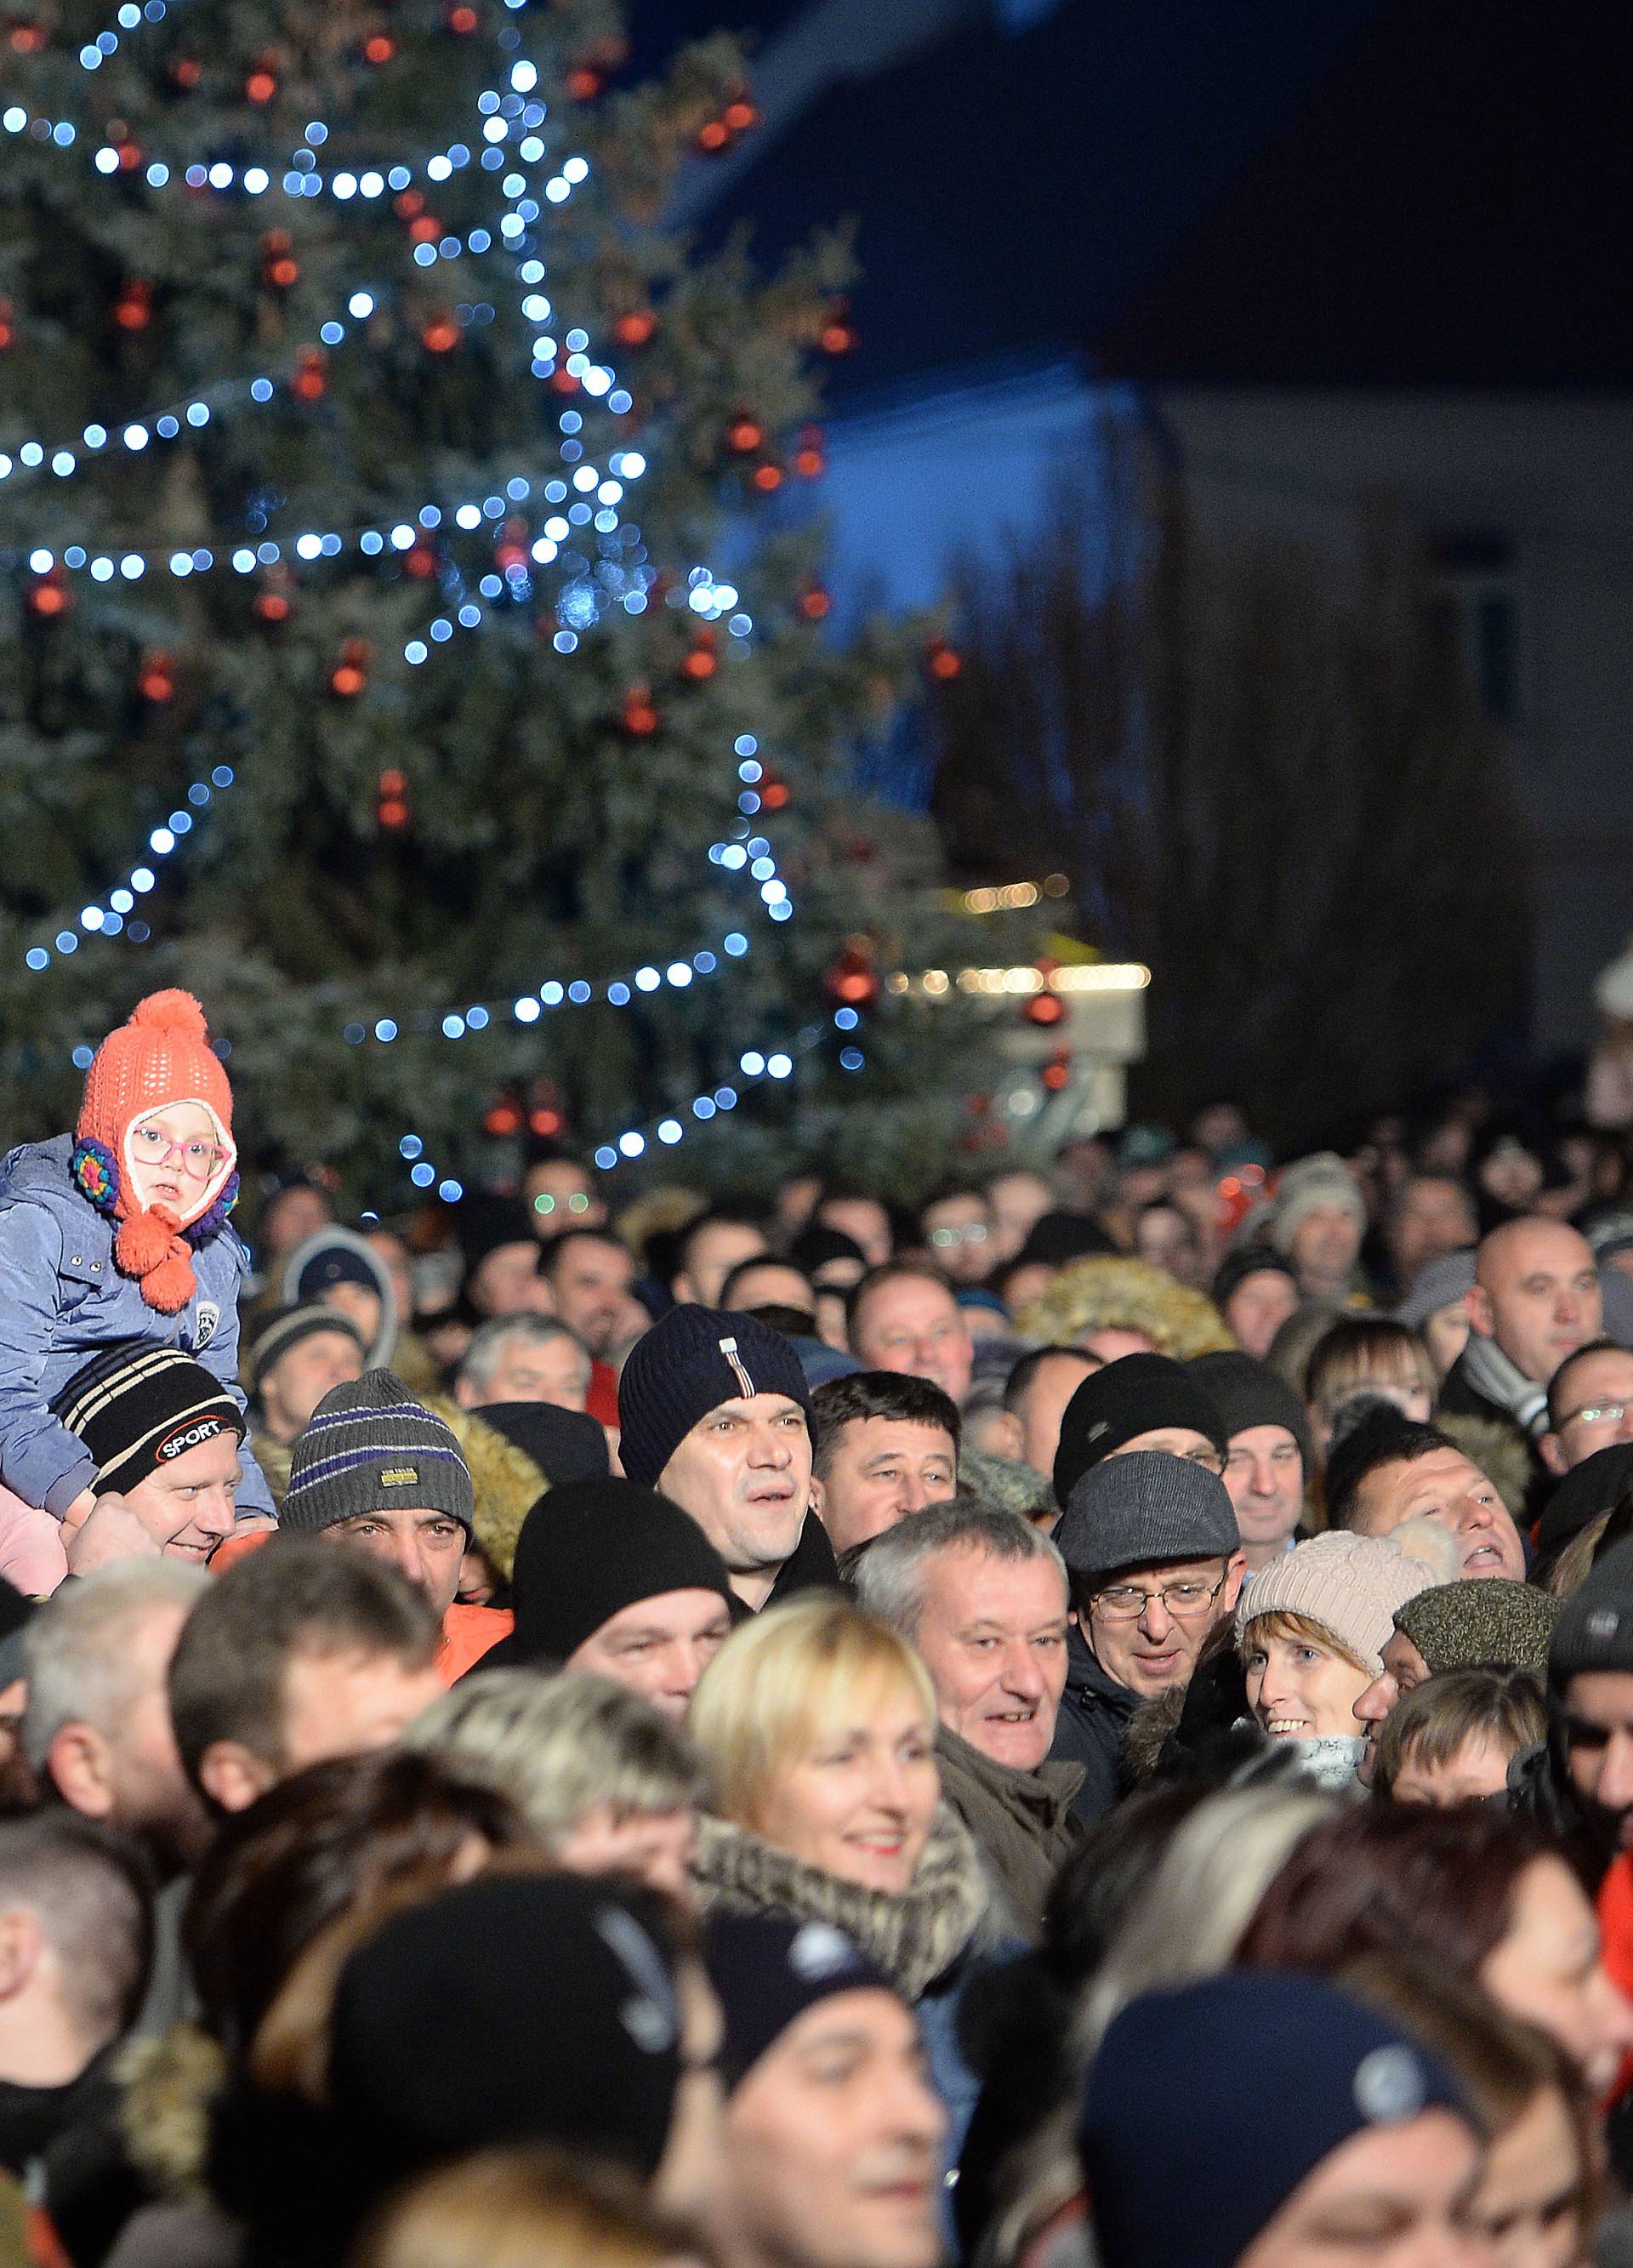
[1535, 1300]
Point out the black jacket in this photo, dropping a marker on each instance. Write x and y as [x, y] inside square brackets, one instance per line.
[810, 1566]
[1094, 1713]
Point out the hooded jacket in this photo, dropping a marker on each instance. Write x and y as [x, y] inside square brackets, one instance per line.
[1094, 1715]
[62, 1299]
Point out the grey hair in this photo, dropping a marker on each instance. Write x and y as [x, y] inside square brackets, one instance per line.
[1204, 1892]
[482, 1357]
[560, 1746]
[78, 1650]
[90, 1893]
[892, 1572]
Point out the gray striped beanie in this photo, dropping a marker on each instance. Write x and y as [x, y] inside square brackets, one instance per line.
[371, 1446]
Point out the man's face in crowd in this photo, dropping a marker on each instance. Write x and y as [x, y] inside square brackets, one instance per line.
[559, 1195]
[298, 1380]
[1397, 2196]
[912, 1325]
[1434, 1217]
[392, 1254]
[187, 1503]
[555, 1370]
[1599, 1749]
[1176, 1441]
[506, 1281]
[1404, 1668]
[711, 1254]
[744, 1474]
[772, 1283]
[833, 2141]
[659, 1647]
[1537, 1294]
[864, 1220]
[129, 1772]
[992, 1634]
[1017, 1202]
[589, 1289]
[1165, 1239]
[1155, 1647]
[958, 1236]
[878, 1471]
[1445, 1487]
[348, 1704]
[1258, 1307]
[1598, 1409]
[292, 1215]
[1043, 1405]
[425, 1546]
[1264, 1476]
[1326, 1243]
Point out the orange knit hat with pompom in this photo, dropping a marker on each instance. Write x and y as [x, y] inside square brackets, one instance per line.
[160, 1059]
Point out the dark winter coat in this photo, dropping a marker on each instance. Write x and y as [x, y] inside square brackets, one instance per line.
[1021, 1821]
[1094, 1714]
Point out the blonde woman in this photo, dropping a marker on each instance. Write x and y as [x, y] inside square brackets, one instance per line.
[818, 1725]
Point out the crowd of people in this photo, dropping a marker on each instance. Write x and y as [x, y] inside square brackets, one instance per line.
[1086, 1726]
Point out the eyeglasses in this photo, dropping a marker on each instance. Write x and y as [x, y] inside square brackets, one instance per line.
[1125, 1602]
[1597, 1413]
[976, 1233]
[149, 1145]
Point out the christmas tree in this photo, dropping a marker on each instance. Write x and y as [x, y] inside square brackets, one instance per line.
[407, 646]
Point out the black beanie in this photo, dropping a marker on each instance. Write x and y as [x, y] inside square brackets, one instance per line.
[516, 2009]
[287, 1327]
[1247, 1392]
[767, 1972]
[1251, 1260]
[1135, 1395]
[137, 1407]
[484, 1222]
[691, 1361]
[564, 1443]
[1595, 1626]
[1597, 1484]
[588, 1551]
[1056, 1239]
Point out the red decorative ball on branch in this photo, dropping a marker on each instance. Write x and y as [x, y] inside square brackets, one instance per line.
[463, 19]
[853, 980]
[767, 477]
[745, 435]
[635, 327]
[133, 309]
[27, 39]
[262, 84]
[280, 269]
[774, 793]
[808, 458]
[270, 607]
[157, 680]
[50, 597]
[311, 381]
[419, 560]
[8, 332]
[351, 673]
[1057, 1070]
[701, 661]
[441, 335]
[814, 604]
[941, 660]
[379, 49]
[392, 803]
[638, 716]
[186, 72]
[584, 82]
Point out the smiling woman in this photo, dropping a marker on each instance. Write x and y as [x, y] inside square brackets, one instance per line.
[819, 1724]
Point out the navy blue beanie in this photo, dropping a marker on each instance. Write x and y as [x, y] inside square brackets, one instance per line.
[692, 1360]
[1181, 2161]
[767, 1972]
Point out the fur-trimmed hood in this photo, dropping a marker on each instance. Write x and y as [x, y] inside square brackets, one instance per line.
[916, 1935]
[1101, 1293]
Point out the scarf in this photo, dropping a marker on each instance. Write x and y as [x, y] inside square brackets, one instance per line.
[1491, 1374]
[914, 1935]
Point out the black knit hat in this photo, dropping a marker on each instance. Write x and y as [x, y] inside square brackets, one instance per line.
[688, 1364]
[287, 1327]
[1597, 1484]
[370, 1447]
[137, 1407]
[1133, 1396]
[1595, 1627]
[588, 1551]
[768, 1972]
[566, 1445]
[1250, 1260]
[517, 2008]
[1247, 1392]
[484, 1222]
[1142, 1508]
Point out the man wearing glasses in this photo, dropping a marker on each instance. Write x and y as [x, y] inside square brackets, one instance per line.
[1590, 1404]
[1151, 1547]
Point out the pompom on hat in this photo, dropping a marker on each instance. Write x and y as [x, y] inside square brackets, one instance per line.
[159, 1060]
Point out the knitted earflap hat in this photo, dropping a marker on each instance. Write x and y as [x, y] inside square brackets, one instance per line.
[160, 1060]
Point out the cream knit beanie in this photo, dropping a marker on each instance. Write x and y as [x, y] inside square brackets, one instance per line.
[1349, 1585]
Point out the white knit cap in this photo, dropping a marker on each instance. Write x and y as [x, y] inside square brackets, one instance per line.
[1349, 1585]
[1321, 1179]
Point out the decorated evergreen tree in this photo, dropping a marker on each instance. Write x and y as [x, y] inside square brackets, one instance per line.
[406, 644]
